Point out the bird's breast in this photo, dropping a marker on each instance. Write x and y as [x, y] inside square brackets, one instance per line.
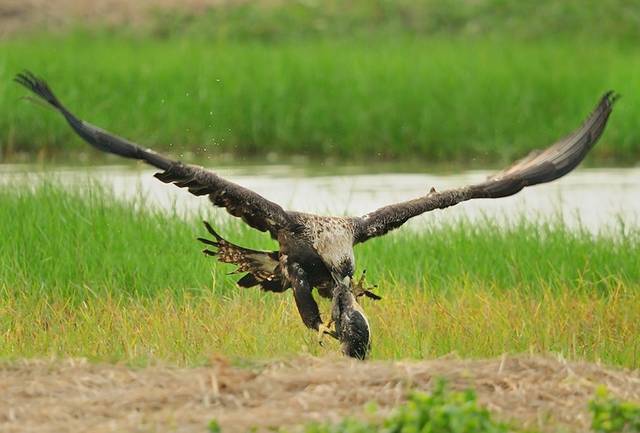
[333, 240]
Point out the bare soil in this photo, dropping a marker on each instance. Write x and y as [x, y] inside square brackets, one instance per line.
[24, 15]
[75, 395]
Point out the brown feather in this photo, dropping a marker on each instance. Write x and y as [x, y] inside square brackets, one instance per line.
[261, 267]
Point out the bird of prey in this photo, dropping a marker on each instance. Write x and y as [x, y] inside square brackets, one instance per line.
[317, 251]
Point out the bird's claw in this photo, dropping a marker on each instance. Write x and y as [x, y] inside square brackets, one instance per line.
[360, 288]
[325, 330]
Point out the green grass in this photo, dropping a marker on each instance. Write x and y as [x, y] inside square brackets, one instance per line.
[438, 99]
[90, 240]
[82, 274]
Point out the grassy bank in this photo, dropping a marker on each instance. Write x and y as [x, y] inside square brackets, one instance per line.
[85, 275]
[397, 97]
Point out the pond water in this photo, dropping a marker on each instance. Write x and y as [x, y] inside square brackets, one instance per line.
[593, 198]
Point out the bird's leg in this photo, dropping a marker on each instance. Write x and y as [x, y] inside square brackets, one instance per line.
[307, 306]
[360, 288]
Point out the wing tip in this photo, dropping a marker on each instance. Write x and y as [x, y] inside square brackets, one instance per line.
[38, 86]
[611, 97]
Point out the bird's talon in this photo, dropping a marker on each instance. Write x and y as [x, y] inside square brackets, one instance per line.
[360, 288]
[325, 329]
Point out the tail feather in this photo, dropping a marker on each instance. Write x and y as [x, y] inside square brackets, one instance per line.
[248, 280]
[261, 267]
[212, 231]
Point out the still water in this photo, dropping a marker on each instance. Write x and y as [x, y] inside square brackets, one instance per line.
[597, 199]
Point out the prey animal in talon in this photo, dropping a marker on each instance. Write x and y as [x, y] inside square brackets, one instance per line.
[352, 325]
[317, 252]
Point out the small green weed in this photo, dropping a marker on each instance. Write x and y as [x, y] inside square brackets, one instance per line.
[611, 415]
[443, 411]
[440, 411]
[214, 427]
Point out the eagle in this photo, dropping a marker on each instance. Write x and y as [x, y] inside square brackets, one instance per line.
[318, 251]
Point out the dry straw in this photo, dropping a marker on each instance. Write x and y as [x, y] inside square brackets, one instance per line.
[74, 395]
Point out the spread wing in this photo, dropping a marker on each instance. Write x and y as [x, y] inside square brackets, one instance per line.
[538, 167]
[254, 209]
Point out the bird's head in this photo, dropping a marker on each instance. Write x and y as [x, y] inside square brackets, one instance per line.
[352, 325]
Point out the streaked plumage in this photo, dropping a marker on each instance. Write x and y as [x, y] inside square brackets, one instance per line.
[317, 251]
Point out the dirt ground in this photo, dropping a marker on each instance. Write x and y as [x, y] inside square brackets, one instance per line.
[18, 15]
[74, 395]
